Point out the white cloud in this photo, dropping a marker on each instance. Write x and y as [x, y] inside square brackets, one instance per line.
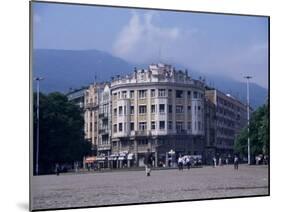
[140, 40]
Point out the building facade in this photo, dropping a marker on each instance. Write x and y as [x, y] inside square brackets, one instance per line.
[229, 119]
[91, 114]
[161, 109]
[104, 126]
[158, 108]
[77, 96]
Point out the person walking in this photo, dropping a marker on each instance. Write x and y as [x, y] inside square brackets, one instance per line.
[214, 162]
[180, 163]
[188, 163]
[148, 162]
[236, 162]
[226, 161]
[57, 169]
[220, 161]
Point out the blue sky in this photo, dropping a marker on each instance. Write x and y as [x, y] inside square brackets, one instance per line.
[222, 44]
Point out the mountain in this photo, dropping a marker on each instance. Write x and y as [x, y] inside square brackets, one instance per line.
[65, 69]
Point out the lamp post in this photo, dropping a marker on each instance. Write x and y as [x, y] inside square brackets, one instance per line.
[38, 79]
[248, 118]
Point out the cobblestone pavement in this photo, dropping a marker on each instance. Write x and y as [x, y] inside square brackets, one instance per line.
[93, 189]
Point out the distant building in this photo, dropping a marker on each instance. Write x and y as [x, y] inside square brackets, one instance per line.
[210, 131]
[104, 125]
[230, 117]
[77, 96]
[91, 114]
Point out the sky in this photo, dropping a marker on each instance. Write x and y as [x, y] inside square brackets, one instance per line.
[228, 45]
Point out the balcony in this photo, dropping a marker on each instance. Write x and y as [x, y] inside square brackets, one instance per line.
[103, 131]
[142, 133]
[103, 116]
[91, 105]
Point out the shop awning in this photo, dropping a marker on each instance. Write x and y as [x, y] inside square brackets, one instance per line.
[90, 159]
[121, 158]
[113, 157]
[130, 156]
[100, 158]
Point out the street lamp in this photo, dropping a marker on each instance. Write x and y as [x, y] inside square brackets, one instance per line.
[38, 79]
[248, 117]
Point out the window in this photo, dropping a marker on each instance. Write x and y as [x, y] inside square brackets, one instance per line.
[161, 125]
[179, 109]
[142, 94]
[143, 142]
[188, 107]
[142, 109]
[132, 126]
[124, 94]
[189, 125]
[120, 110]
[91, 126]
[132, 110]
[132, 94]
[142, 126]
[195, 95]
[153, 125]
[170, 92]
[170, 125]
[199, 125]
[179, 94]
[170, 108]
[162, 108]
[179, 126]
[120, 127]
[152, 108]
[115, 111]
[199, 108]
[115, 128]
[162, 92]
[188, 94]
[152, 92]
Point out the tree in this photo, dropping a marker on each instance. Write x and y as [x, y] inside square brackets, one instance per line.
[259, 132]
[61, 132]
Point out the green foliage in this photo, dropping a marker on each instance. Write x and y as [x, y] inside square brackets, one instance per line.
[61, 132]
[259, 134]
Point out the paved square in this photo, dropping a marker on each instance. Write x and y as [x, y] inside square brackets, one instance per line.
[120, 187]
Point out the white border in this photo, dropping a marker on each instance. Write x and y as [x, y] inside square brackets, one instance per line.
[14, 109]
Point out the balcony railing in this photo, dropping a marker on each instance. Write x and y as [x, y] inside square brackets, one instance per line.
[91, 105]
[143, 133]
[103, 115]
[103, 131]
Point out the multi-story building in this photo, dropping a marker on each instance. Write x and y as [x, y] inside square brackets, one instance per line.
[104, 124]
[210, 131]
[230, 117]
[77, 96]
[91, 114]
[158, 108]
[161, 109]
